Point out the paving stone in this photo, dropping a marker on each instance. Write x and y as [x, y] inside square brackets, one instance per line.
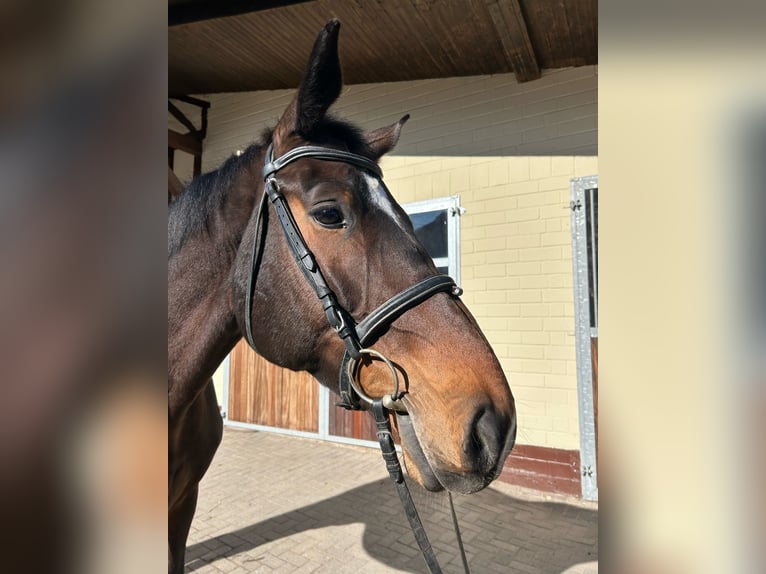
[275, 503]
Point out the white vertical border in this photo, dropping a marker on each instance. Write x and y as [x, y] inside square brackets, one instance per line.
[581, 281]
[225, 398]
[323, 420]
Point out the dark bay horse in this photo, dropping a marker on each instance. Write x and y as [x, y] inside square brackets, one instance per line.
[230, 265]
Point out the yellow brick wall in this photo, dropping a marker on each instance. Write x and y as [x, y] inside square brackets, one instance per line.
[516, 269]
[508, 150]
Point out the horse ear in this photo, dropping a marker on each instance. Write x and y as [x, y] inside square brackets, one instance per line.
[383, 140]
[320, 87]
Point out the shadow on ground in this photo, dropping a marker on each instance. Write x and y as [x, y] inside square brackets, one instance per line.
[501, 533]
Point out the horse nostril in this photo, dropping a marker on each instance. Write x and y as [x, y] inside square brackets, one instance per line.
[484, 440]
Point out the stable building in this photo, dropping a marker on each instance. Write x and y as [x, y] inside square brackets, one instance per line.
[497, 168]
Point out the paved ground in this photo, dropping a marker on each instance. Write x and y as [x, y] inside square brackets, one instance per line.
[273, 503]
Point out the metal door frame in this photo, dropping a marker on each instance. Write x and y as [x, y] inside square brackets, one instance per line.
[583, 333]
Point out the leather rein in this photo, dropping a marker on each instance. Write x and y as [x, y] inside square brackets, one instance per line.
[356, 336]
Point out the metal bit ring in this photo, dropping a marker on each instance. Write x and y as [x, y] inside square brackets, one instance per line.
[389, 401]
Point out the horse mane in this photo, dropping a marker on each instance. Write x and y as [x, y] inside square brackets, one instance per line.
[190, 212]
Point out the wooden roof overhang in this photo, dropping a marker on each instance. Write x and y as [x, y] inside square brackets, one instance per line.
[249, 45]
[243, 45]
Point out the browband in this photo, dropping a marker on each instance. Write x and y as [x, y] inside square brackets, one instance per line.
[316, 152]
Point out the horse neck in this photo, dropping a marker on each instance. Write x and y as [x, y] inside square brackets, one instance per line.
[202, 328]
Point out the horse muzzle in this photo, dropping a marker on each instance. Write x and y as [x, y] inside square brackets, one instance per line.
[488, 439]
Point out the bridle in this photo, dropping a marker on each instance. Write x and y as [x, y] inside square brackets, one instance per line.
[356, 336]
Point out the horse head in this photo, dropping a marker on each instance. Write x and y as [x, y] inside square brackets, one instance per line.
[461, 419]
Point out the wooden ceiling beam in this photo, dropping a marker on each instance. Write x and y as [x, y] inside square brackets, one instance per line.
[192, 100]
[511, 27]
[185, 121]
[181, 117]
[185, 142]
[175, 187]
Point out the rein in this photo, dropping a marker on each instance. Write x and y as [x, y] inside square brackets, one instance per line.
[356, 337]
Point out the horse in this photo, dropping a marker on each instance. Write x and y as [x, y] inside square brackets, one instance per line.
[345, 241]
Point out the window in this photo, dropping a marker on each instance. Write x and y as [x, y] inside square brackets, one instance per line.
[437, 226]
[591, 234]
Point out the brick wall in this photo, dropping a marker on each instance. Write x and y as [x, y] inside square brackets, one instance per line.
[509, 152]
[516, 269]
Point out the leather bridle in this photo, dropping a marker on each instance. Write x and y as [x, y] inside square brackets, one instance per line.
[356, 336]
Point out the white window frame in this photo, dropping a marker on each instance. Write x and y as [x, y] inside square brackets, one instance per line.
[454, 211]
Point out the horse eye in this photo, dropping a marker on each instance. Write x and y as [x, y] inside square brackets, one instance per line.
[329, 217]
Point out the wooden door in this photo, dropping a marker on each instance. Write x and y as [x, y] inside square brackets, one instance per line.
[262, 393]
[594, 367]
[350, 424]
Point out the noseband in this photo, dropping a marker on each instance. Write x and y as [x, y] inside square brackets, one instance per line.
[355, 336]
